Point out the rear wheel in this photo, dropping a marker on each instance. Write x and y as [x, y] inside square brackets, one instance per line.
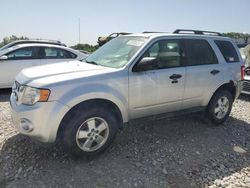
[220, 106]
[90, 130]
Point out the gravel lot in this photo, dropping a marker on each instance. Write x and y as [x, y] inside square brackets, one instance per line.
[183, 152]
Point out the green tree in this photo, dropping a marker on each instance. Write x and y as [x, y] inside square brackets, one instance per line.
[7, 40]
[235, 35]
[85, 47]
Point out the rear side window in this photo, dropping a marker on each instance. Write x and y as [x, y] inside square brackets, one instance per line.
[228, 51]
[199, 52]
[56, 53]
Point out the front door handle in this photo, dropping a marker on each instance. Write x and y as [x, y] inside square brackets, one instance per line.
[214, 72]
[175, 76]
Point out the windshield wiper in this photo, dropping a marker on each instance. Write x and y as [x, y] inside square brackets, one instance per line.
[91, 62]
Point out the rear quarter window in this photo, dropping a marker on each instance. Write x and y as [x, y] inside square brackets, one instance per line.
[72, 55]
[228, 51]
[57, 53]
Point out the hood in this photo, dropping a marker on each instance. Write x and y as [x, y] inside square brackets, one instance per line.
[59, 72]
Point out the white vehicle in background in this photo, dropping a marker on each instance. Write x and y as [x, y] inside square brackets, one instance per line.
[245, 53]
[23, 55]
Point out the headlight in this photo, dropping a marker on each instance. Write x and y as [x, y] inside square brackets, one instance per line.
[31, 95]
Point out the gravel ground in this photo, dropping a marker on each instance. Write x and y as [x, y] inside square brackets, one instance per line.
[182, 152]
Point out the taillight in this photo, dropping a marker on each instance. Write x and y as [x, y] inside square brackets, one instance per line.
[243, 72]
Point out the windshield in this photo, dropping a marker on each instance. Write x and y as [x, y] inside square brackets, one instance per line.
[6, 46]
[117, 52]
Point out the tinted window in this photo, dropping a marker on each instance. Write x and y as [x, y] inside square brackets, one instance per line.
[199, 52]
[56, 53]
[72, 55]
[23, 53]
[166, 52]
[228, 51]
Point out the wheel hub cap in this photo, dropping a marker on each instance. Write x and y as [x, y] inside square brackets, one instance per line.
[221, 108]
[92, 134]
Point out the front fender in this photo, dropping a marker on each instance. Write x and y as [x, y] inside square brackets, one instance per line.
[97, 91]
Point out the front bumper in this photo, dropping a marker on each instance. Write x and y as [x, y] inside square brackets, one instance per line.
[42, 118]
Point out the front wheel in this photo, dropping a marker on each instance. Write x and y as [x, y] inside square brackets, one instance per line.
[220, 106]
[90, 131]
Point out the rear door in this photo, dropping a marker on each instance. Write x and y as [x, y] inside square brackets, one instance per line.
[17, 60]
[51, 55]
[203, 72]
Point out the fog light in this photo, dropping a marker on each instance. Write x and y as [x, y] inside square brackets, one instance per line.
[26, 125]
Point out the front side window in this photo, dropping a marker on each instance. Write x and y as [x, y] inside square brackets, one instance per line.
[228, 51]
[199, 52]
[117, 52]
[166, 52]
[23, 53]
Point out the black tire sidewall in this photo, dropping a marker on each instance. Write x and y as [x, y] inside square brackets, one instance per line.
[213, 103]
[80, 116]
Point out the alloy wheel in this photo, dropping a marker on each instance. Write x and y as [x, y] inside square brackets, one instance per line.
[92, 134]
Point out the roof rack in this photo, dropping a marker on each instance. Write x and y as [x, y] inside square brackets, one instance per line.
[197, 32]
[118, 34]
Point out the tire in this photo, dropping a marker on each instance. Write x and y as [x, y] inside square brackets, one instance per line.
[92, 126]
[218, 113]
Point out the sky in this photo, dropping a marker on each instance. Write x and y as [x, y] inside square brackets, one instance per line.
[58, 19]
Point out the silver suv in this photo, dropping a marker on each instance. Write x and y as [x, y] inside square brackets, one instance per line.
[86, 103]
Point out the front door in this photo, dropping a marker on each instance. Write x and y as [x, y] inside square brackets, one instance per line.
[17, 60]
[158, 89]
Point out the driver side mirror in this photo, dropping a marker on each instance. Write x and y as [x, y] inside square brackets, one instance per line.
[4, 57]
[147, 63]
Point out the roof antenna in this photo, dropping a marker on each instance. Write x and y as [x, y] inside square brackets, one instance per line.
[79, 30]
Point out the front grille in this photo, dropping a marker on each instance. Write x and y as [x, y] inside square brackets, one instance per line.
[16, 90]
[17, 86]
[246, 86]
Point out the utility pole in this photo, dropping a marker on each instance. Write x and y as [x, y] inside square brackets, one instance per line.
[79, 25]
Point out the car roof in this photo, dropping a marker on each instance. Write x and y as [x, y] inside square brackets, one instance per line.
[36, 41]
[158, 34]
[42, 41]
[39, 45]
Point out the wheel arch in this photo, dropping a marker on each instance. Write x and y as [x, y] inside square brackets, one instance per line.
[99, 102]
[229, 86]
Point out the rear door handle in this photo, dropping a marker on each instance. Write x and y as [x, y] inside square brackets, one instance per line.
[175, 76]
[214, 72]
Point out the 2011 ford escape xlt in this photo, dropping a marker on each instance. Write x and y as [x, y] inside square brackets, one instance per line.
[132, 76]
